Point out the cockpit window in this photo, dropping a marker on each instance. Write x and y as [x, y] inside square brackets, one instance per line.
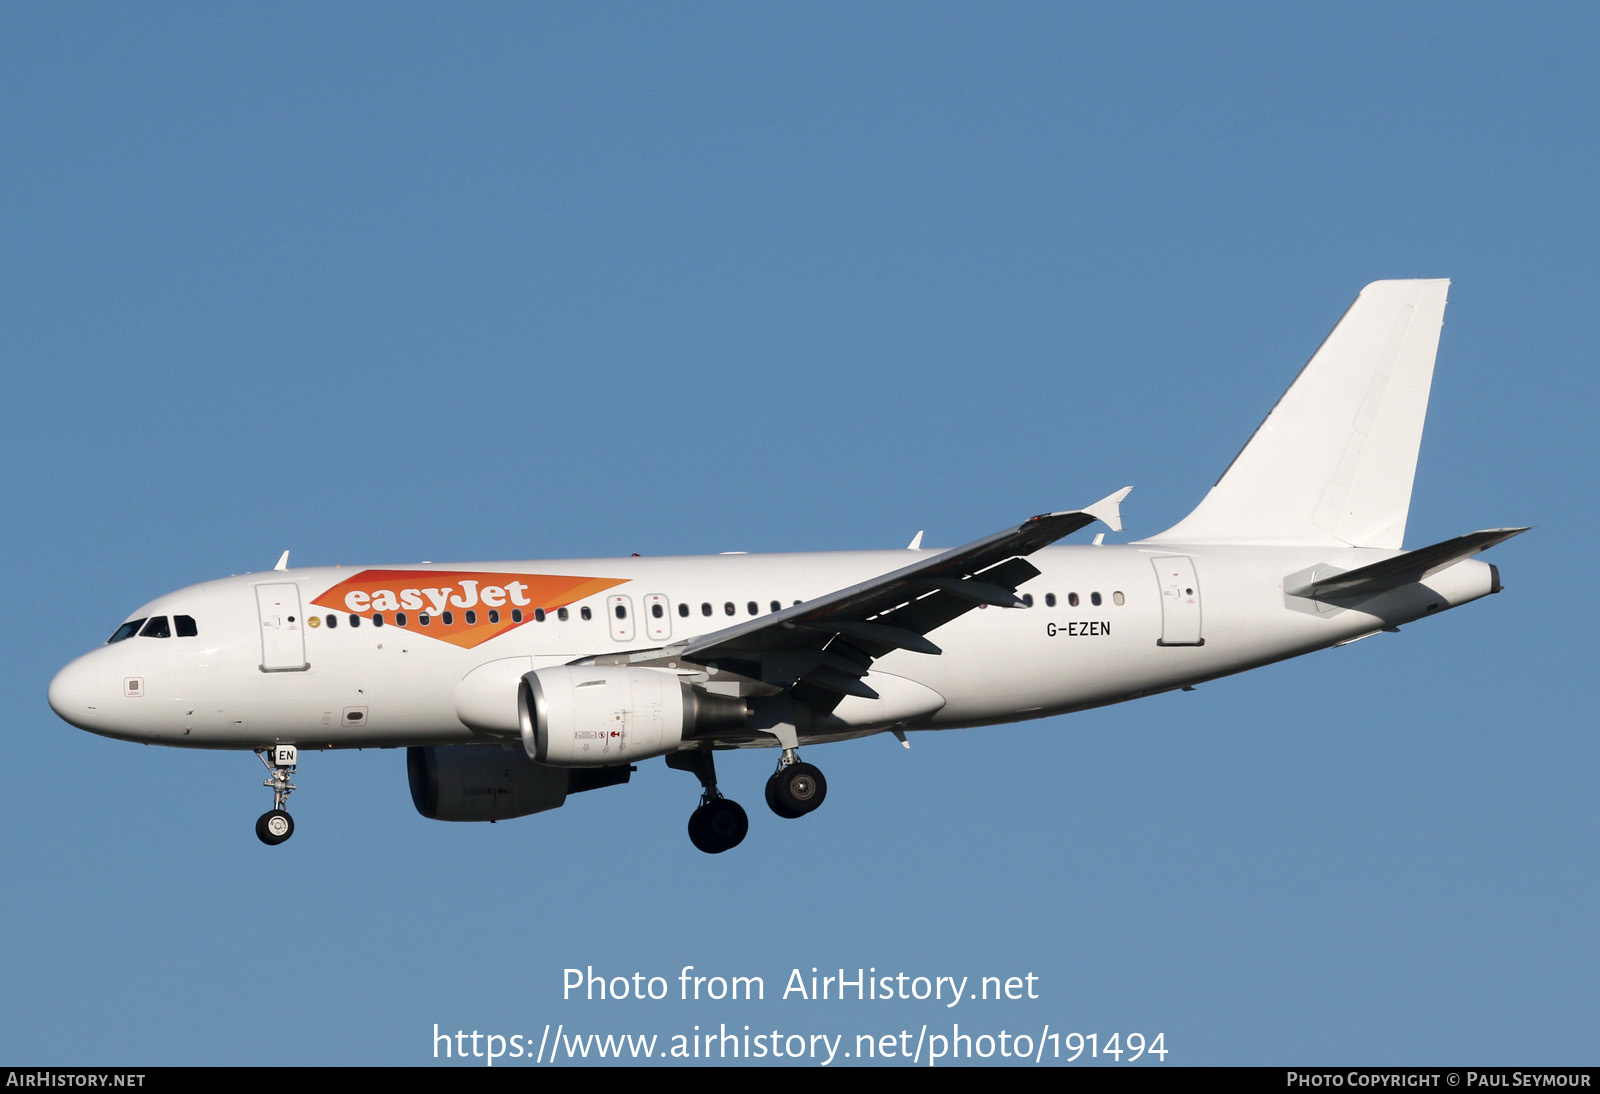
[185, 626]
[127, 630]
[156, 628]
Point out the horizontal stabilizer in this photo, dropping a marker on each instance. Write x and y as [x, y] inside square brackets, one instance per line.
[1404, 569]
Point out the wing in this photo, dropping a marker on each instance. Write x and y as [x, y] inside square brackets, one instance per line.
[823, 647]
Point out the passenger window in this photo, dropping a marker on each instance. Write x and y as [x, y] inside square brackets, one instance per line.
[777, 607]
[705, 609]
[423, 619]
[727, 608]
[1072, 599]
[377, 620]
[561, 614]
[754, 608]
[1117, 599]
[156, 628]
[683, 611]
[333, 621]
[586, 613]
[448, 618]
[355, 621]
[185, 625]
[494, 615]
[472, 617]
[399, 619]
[127, 630]
[622, 612]
[1094, 598]
[655, 610]
[1027, 600]
[1049, 600]
[516, 614]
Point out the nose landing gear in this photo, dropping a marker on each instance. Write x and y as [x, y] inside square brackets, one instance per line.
[276, 825]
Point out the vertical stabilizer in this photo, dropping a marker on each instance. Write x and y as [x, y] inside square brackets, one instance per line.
[1334, 461]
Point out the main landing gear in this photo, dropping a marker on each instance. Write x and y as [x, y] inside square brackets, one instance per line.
[796, 788]
[719, 824]
[276, 825]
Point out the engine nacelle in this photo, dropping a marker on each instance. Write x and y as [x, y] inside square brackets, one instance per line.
[596, 715]
[491, 782]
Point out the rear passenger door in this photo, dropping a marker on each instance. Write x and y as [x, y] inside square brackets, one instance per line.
[1180, 601]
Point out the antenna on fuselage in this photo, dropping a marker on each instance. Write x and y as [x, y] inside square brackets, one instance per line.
[283, 561]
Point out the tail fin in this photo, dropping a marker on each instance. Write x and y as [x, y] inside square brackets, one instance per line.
[1334, 461]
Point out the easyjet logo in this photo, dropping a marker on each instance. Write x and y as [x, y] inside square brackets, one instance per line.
[463, 607]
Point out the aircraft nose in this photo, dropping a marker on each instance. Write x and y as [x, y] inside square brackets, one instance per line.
[74, 694]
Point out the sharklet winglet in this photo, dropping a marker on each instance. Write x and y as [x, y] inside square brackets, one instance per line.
[1108, 509]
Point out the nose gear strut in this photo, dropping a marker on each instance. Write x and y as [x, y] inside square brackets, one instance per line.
[276, 825]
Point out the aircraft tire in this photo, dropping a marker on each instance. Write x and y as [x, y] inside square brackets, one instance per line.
[799, 789]
[697, 831]
[728, 823]
[274, 826]
[772, 800]
[718, 826]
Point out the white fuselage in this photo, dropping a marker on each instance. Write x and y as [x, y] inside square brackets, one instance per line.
[1121, 626]
[593, 665]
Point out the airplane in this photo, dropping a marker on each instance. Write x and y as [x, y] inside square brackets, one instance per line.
[513, 685]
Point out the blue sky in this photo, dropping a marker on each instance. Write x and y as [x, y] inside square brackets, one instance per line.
[381, 285]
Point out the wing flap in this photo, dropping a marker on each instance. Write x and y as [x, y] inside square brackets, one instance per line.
[877, 634]
[830, 679]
